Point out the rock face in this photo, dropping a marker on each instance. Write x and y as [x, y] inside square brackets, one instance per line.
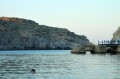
[22, 34]
[116, 34]
[79, 50]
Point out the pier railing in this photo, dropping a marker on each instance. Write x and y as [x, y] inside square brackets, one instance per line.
[107, 42]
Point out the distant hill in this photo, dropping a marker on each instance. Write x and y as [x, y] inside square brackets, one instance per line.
[22, 34]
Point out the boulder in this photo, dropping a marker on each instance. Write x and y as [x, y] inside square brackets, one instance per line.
[79, 50]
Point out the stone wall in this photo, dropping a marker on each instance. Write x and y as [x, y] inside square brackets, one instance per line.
[99, 49]
[118, 49]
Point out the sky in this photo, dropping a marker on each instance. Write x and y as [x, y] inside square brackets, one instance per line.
[96, 19]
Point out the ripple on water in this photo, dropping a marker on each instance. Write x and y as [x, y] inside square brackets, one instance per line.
[59, 66]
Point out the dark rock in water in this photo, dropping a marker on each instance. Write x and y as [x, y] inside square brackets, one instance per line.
[33, 71]
[22, 34]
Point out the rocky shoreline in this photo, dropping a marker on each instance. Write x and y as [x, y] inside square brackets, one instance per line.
[112, 46]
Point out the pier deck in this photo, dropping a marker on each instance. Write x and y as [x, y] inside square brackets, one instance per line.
[109, 43]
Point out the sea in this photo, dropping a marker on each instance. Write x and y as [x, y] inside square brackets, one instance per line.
[58, 64]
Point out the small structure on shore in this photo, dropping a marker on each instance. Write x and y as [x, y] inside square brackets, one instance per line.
[102, 47]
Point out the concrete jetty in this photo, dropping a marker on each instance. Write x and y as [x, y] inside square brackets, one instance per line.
[102, 47]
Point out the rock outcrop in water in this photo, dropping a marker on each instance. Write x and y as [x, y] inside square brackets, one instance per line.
[22, 34]
[116, 34]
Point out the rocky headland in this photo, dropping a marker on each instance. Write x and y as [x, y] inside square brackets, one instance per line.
[23, 34]
[116, 34]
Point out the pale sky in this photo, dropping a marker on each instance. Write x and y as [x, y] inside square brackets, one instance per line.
[96, 19]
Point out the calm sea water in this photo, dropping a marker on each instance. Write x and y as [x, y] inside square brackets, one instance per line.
[58, 64]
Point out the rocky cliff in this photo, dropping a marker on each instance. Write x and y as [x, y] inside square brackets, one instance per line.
[116, 34]
[22, 34]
